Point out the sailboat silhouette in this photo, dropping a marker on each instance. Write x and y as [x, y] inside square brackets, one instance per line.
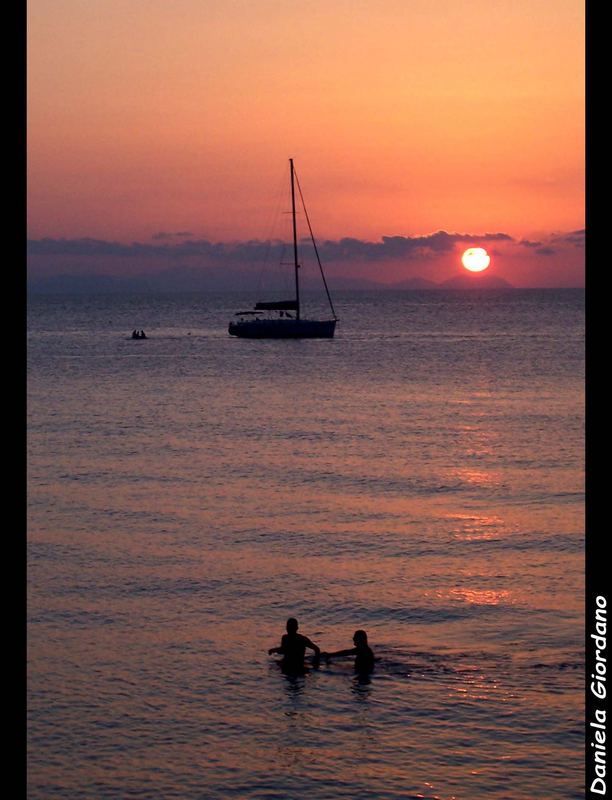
[253, 325]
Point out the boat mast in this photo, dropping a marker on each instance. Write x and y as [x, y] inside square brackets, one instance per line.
[314, 244]
[295, 252]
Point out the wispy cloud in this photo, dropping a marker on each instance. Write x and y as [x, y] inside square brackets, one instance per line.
[551, 245]
[576, 238]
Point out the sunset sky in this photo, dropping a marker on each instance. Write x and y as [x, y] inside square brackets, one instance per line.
[153, 122]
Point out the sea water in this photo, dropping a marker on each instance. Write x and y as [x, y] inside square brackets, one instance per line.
[420, 476]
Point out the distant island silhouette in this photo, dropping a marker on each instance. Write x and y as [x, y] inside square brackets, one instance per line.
[473, 281]
[476, 281]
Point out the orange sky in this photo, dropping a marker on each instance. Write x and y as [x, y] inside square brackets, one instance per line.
[404, 118]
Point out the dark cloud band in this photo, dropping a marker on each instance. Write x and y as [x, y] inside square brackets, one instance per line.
[390, 247]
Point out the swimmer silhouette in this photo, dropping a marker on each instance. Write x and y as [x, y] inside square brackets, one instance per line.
[364, 657]
[293, 647]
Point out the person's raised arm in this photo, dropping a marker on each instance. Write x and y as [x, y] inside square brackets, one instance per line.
[312, 646]
[280, 650]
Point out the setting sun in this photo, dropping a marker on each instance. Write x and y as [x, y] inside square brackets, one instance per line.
[476, 259]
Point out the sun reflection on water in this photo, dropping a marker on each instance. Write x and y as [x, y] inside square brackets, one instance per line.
[476, 527]
[480, 597]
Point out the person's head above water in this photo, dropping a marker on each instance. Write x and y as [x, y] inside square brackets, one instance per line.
[292, 625]
[360, 638]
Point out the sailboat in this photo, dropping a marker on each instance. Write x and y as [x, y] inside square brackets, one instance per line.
[289, 322]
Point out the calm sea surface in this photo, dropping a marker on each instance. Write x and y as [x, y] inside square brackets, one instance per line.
[420, 476]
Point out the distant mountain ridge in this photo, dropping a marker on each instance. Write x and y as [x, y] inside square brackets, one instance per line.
[186, 279]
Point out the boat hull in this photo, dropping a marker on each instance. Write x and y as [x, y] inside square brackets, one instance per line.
[283, 329]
